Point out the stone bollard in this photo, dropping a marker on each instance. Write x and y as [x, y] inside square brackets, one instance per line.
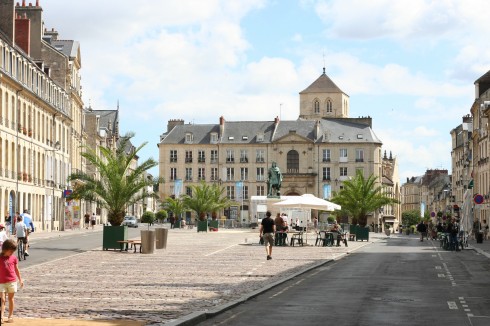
[147, 241]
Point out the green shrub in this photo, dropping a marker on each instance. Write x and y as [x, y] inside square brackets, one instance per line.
[161, 215]
[148, 217]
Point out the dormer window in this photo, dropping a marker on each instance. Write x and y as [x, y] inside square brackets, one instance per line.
[214, 137]
[260, 137]
[189, 138]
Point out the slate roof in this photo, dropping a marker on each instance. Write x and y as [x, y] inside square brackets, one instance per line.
[322, 85]
[106, 116]
[342, 130]
[484, 78]
[245, 132]
[67, 47]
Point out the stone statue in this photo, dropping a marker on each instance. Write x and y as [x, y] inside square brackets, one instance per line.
[274, 179]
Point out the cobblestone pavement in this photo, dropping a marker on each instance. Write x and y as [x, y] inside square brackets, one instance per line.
[197, 271]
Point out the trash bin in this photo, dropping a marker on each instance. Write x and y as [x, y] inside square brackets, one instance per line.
[479, 237]
[147, 241]
[161, 235]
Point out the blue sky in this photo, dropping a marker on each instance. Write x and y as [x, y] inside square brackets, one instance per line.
[410, 64]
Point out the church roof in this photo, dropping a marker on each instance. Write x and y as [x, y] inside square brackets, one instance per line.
[323, 84]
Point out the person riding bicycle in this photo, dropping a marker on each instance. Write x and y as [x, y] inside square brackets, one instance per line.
[26, 217]
[20, 232]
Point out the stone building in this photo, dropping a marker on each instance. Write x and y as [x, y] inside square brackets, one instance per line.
[41, 116]
[411, 196]
[461, 158]
[315, 153]
[480, 164]
[390, 214]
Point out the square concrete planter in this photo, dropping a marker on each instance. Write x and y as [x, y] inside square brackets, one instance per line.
[112, 234]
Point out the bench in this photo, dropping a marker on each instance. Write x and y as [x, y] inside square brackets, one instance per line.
[133, 244]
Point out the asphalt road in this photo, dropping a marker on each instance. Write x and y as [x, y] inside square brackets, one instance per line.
[397, 281]
[44, 250]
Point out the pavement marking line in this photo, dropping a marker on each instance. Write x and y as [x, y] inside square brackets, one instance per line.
[461, 298]
[281, 292]
[465, 306]
[215, 252]
[441, 275]
[467, 310]
[470, 315]
[452, 305]
[438, 267]
[225, 322]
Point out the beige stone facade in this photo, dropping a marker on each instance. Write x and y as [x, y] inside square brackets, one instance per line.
[315, 153]
[41, 121]
[391, 214]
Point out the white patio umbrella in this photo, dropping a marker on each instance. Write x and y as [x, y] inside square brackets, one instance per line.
[308, 201]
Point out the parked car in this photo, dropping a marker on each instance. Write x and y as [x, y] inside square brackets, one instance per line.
[130, 221]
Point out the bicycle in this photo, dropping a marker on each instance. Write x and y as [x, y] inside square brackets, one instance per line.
[21, 250]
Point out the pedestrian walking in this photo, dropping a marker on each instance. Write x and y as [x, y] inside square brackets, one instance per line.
[422, 229]
[93, 219]
[9, 274]
[484, 228]
[87, 220]
[3, 235]
[476, 228]
[8, 223]
[267, 229]
[315, 223]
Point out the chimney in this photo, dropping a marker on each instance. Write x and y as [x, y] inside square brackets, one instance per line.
[317, 129]
[172, 123]
[221, 126]
[276, 120]
[34, 14]
[7, 19]
[22, 33]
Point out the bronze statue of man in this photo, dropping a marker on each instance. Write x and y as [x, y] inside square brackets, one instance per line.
[274, 180]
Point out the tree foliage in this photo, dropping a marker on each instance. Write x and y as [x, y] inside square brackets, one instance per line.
[206, 198]
[411, 217]
[161, 215]
[118, 185]
[361, 196]
[174, 205]
[148, 217]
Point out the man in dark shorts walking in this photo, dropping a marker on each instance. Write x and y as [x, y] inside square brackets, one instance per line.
[267, 229]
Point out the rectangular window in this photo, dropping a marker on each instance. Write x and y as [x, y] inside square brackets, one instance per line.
[173, 156]
[260, 174]
[343, 155]
[188, 191]
[188, 138]
[188, 174]
[230, 192]
[243, 174]
[343, 171]
[326, 174]
[326, 155]
[260, 190]
[230, 156]
[214, 138]
[214, 174]
[201, 174]
[361, 170]
[214, 156]
[245, 192]
[173, 173]
[243, 156]
[201, 156]
[188, 156]
[230, 174]
[359, 155]
[260, 156]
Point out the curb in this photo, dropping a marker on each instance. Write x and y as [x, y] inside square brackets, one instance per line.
[200, 316]
[480, 251]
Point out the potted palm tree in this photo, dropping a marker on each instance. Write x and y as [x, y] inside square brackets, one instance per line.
[206, 198]
[117, 186]
[177, 207]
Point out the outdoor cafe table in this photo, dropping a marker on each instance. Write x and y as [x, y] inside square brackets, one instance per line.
[328, 238]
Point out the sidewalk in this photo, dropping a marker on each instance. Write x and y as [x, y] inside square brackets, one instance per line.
[197, 271]
[481, 248]
[40, 235]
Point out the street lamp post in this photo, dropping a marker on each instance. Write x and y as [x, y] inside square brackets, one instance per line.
[56, 148]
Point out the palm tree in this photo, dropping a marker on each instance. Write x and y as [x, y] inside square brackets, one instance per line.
[206, 198]
[361, 196]
[119, 185]
[174, 205]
